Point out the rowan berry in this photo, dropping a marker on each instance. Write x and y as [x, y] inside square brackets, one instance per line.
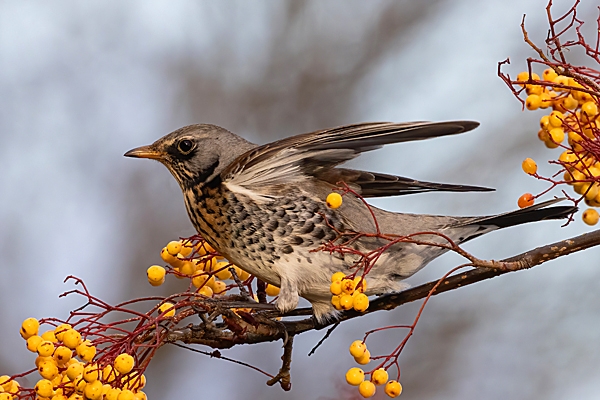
[355, 376]
[202, 280]
[112, 394]
[74, 370]
[338, 276]
[529, 166]
[533, 102]
[549, 74]
[357, 348]
[590, 216]
[219, 287]
[335, 300]
[524, 77]
[93, 390]
[526, 200]
[71, 338]
[156, 275]
[126, 395]
[366, 389]
[92, 372]
[393, 389]
[48, 369]
[589, 108]
[360, 302]
[380, 376]
[336, 287]
[346, 301]
[186, 248]
[364, 359]
[45, 348]
[167, 309]
[272, 290]
[44, 388]
[223, 270]
[124, 363]
[206, 291]
[557, 135]
[174, 247]
[33, 342]
[29, 328]
[334, 200]
[60, 330]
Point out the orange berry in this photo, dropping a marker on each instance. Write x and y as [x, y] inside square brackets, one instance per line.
[360, 302]
[124, 363]
[555, 119]
[547, 99]
[272, 290]
[335, 300]
[524, 77]
[589, 108]
[174, 247]
[380, 376]
[526, 200]
[357, 348]
[557, 135]
[366, 389]
[529, 166]
[336, 287]
[364, 359]
[334, 200]
[346, 301]
[205, 291]
[549, 74]
[590, 216]
[29, 328]
[393, 389]
[355, 376]
[544, 122]
[533, 102]
[338, 276]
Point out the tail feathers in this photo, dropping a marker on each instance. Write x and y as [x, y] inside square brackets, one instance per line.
[536, 212]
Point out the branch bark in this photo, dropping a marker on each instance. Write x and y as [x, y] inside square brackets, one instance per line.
[263, 329]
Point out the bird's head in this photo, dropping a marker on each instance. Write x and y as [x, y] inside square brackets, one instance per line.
[195, 154]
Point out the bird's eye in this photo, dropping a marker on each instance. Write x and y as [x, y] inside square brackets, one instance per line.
[185, 146]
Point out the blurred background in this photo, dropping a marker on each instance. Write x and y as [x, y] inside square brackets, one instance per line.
[83, 82]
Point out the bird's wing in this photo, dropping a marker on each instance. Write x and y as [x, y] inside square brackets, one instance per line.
[299, 157]
[374, 184]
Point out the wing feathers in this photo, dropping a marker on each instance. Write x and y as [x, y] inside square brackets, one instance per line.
[308, 155]
[372, 184]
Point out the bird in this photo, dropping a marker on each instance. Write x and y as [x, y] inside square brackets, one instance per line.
[263, 206]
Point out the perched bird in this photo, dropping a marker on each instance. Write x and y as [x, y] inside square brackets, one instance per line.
[263, 207]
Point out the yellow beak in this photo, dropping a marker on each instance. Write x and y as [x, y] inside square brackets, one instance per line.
[144, 152]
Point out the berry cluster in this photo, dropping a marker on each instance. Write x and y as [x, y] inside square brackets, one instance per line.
[356, 376]
[574, 116]
[348, 292]
[65, 362]
[199, 262]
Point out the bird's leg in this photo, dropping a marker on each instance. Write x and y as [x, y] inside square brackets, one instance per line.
[288, 296]
[239, 284]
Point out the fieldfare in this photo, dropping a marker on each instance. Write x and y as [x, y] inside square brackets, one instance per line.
[263, 207]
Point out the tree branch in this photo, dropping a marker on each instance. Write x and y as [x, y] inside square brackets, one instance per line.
[262, 329]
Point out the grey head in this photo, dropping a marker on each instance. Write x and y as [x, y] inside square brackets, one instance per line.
[195, 154]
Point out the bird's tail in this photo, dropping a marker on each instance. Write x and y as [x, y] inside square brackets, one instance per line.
[536, 212]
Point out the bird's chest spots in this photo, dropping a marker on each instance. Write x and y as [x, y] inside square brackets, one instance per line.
[262, 233]
[208, 210]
